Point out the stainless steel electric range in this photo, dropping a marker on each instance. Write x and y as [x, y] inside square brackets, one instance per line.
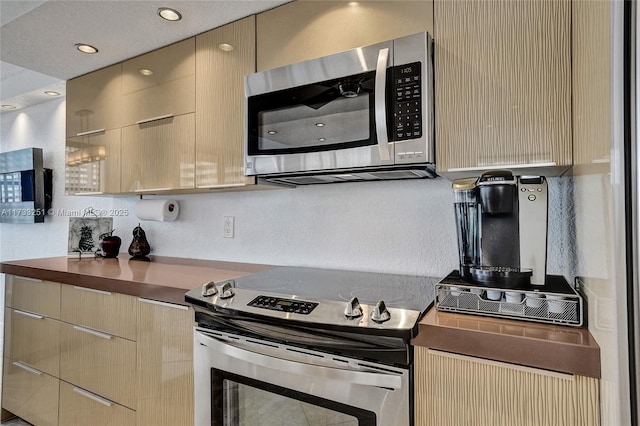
[307, 346]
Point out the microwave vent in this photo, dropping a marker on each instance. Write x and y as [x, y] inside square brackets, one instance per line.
[355, 175]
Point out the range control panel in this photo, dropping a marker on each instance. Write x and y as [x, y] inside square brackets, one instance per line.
[407, 102]
[283, 305]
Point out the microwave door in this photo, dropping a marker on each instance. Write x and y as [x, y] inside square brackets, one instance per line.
[334, 117]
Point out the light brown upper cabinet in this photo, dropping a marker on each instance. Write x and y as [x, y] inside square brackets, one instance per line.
[503, 86]
[158, 134]
[93, 132]
[159, 84]
[223, 57]
[308, 29]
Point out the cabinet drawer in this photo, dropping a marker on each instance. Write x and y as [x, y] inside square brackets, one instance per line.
[99, 362]
[42, 297]
[159, 155]
[81, 407]
[33, 339]
[30, 394]
[111, 313]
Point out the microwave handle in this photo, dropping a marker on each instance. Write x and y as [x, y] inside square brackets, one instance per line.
[381, 104]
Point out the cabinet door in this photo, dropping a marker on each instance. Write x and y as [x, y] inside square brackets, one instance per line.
[93, 101]
[33, 339]
[159, 83]
[220, 102]
[460, 390]
[165, 364]
[159, 155]
[111, 313]
[31, 295]
[93, 163]
[98, 362]
[304, 30]
[503, 86]
[79, 407]
[30, 394]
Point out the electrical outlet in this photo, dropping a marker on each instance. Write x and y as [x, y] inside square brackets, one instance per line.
[229, 224]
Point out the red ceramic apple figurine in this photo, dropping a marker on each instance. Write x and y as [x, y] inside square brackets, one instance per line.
[110, 244]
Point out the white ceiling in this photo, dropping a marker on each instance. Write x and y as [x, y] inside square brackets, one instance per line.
[37, 37]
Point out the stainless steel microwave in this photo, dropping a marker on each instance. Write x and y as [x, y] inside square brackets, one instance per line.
[363, 114]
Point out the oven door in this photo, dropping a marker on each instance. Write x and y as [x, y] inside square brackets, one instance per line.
[243, 381]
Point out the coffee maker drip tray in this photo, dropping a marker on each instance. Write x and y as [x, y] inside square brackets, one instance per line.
[502, 277]
[555, 302]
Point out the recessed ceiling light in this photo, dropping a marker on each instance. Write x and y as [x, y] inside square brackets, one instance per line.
[169, 14]
[226, 47]
[321, 139]
[272, 132]
[86, 48]
[9, 107]
[145, 71]
[319, 124]
[52, 93]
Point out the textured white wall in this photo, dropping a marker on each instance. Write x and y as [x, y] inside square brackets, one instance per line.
[400, 227]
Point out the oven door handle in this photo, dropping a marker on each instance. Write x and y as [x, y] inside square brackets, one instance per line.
[285, 363]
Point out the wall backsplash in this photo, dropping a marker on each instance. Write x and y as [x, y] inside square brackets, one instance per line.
[396, 226]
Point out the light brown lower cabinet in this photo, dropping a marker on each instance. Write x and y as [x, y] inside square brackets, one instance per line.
[79, 407]
[460, 390]
[29, 393]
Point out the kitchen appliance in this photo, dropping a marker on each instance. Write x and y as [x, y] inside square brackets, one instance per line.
[26, 187]
[291, 344]
[502, 229]
[364, 114]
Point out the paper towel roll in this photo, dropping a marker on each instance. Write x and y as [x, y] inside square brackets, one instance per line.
[162, 210]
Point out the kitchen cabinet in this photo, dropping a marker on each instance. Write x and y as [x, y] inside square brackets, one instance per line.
[309, 29]
[159, 155]
[158, 84]
[503, 86]
[453, 389]
[79, 407]
[93, 163]
[164, 364]
[223, 57]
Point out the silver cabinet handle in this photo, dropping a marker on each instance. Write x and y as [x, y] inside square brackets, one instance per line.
[152, 189]
[28, 314]
[93, 332]
[27, 368]
[92, 290]
[92, 396]
[381, 104]
[502, 166]
[149, 120]
[91, 132]
[165, 304]
[35, 280]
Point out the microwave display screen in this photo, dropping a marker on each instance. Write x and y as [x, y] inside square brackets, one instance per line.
[333, 114]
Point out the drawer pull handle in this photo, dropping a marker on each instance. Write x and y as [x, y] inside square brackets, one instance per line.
[91, 132]
[29, 314]
[92, 290]
[149, 120]
[168, 305]
[152, 189]
[35, 280]
[92, 396]
[89, 193]
[93, 332]
[27, 368]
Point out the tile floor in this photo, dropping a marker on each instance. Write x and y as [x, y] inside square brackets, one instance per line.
[16, 422]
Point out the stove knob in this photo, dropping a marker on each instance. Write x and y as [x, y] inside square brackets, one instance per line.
[353, 309]
[226, 290]
[209, 289]
[380, 312]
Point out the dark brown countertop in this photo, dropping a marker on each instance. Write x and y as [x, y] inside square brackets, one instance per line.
[165, 279]
[571, 350]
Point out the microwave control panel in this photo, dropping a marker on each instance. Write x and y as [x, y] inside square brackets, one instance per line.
[407, 102]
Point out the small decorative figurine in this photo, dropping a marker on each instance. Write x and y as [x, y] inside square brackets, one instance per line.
[139, 248]
[110, 244]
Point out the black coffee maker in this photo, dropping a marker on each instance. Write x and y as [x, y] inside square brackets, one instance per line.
[502, 229]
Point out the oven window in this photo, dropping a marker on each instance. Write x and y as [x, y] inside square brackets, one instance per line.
[240, 401]
[328, 115]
